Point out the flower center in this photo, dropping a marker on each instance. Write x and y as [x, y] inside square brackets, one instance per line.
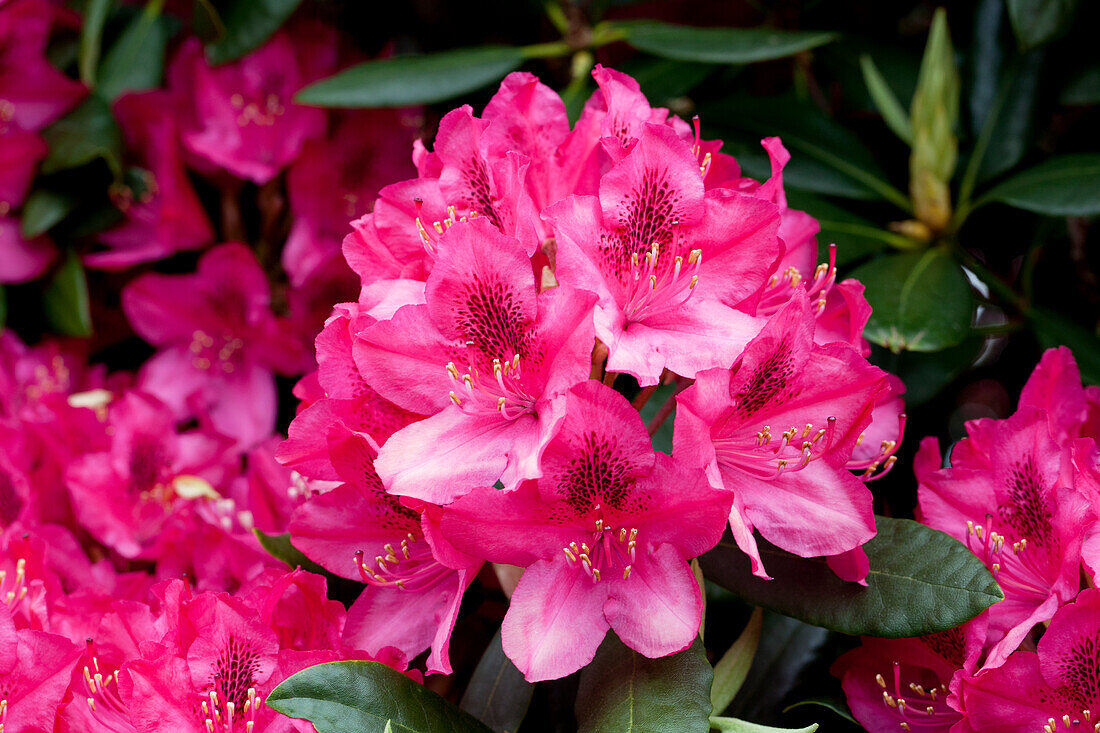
[218, 354]
[410, 566]
[101, 692]
[13, 589]
[429, 234]
[781, 287]
[765, 457]
[1021, 568]
[884, 458]
[661, 280]
[503, 391]
[920, 702]
[611, 549]
[262, 113]
[1082, 721]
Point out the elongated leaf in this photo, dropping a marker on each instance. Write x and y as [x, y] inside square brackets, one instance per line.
[1037, 21]
[136, 60]
[65, 299]
[367, 697]
[719, 45]
[248, 23]
[803, 172]
[855, 237]
[1054, 329]
[497, 695]
[664, 79]
[86, 133]
[206, 21]
[893, 114]
[1066, 185]
[42, 210]
[733, 667]
[733, 725]
[839, 707]
[279, 547]
[921, 581]
[622, 691]
[920, 301]
[91, 39]
[408, 80]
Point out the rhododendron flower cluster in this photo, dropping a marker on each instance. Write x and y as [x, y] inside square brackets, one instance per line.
[521, 300]
[1021, 493]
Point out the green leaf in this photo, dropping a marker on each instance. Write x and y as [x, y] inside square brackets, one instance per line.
[1037, 21]
[1012, 132]
[920, 301]
[43, 209]
[248, 23]
[279, 547]
[1066, 185]
[733, 725]
[806, 129]
[206, 22]
[733, 667]
[921, 581]
[835, 705]
[1084, 88]
[86, 133]
[1054, 329]
[855, 237]
[622, 691]
[409, 80]
[91, 39]
[65, 299]
[719, 45]
[665, 79]
[135, 62]
[926, 374]
[367, 697]
[497, 695]
[802, 172]
[893, 114]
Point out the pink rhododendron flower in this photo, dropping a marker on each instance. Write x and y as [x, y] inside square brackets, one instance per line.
[1005, 495]
[241, 117]
[1056, 688]
[35, 667]
[219, 342]
[794, 486]
[163, 212]
[485, 356]
[604, 537]
[668, 260]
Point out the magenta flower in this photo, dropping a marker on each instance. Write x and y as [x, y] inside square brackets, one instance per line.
[792, 485]
[669, 261]
[20, 153]
[1055, 689]
[219, 342]
[1006, 496]
[485, 356]
[35, 667]
[604, 537]
[241, 117]
[163, 212]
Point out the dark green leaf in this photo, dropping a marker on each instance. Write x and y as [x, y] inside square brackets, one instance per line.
[206, 21]
[1066, 185]
[893, 114]
[926, 374]
[802, 172]
[1084, 88]
[1053, 329]
[836, 705]
[787, 649]
[806, 129]
[855, 237]
[279, 547]
[248, 23]
[367, 697]
[91, 39]
[662, 439]
[135, 62]
[719, 45]
[664, 79]
[1037, 21]
[1012, 131]
[732, 669]
[65, 299]
[920, 301]
[622, 691]
[921, 581]
[408, 80]
[86, 133]
[733, 725]
[986, 60]
[42, 210]
[497, 695]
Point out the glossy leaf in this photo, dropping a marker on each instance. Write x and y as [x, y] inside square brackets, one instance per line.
[42, 210]
[921, 581]
[248, 24]
[732, 669]
[893, 114]
[409, 80]
[1054, 329]
[920, 301]
[279, 547]
[135, 62]
[1066, 185]
[91, 39]
[497, 695]
[1037, 21]
[367, 697]
[733, 725]
[719, 45]
[622, 691]
[65, 299]
[86, 133]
